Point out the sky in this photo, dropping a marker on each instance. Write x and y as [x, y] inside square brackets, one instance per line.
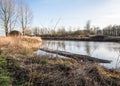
[74, 13]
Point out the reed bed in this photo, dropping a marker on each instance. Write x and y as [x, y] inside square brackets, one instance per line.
[19, 44]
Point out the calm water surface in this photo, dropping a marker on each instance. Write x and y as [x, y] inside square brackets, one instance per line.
[103, 50]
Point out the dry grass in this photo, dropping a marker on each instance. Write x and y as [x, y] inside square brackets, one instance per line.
[34, 70]
[45, 71]
[19, 45]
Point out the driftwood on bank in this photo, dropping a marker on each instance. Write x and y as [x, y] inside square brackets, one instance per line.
[76, 56]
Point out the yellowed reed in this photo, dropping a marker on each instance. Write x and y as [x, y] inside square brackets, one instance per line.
[19, 44]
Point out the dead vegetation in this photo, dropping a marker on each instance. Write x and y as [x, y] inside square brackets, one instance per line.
[19, 44]
[28, 69]
[44, 71]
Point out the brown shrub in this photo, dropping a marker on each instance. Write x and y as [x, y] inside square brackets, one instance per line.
[15, 33]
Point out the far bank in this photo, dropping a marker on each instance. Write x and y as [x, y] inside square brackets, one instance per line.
[99, 38]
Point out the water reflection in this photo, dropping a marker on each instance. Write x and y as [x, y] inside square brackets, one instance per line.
[87, 48]
[103, 50]
[54, 45]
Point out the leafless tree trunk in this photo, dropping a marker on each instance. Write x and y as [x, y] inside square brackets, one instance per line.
[7, 12]
[25, 15]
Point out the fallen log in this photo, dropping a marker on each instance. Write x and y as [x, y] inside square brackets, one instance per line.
[76, 56]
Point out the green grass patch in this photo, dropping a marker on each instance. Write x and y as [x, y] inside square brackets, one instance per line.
[5, 79]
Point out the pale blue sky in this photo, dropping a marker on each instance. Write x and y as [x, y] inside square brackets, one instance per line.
[75, 13]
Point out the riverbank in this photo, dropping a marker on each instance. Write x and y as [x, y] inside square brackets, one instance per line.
[92, 38]
[34, 70]
[20, 66]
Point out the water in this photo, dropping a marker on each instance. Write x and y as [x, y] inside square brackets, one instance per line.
[103, 50]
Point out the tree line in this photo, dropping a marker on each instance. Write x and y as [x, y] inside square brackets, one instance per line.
[15, 13]
[62, 31]
[110, 30]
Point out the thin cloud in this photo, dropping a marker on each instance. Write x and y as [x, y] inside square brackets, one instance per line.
[108, 14]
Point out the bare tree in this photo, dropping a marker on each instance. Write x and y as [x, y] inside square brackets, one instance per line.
[87, 27]
[25, 15]
[7, 14]
[36, 31]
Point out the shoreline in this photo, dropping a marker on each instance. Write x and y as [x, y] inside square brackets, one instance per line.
[95, 38]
